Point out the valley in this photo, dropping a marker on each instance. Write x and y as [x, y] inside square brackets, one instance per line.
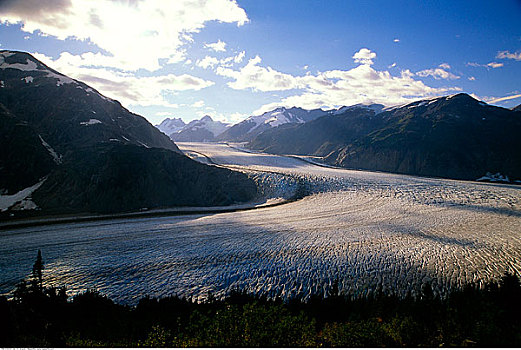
[368, 230]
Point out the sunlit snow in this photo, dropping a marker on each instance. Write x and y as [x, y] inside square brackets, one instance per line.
[91, 122]
[7, 201]
[31, 66]
[56, 157]
[28, 67]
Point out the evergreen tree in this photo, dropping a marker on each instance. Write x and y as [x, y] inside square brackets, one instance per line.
[37, 272]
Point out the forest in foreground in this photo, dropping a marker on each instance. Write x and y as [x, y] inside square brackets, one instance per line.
[36, 316]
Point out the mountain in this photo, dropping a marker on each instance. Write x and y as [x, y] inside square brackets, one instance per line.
[171, 125]
[454, 137]
[65, 148]
[254, 125]
[517, 108]
[24, 156]
[117, 177]
[204, 129]
[317, 137]
[376, 108]
[68, 113]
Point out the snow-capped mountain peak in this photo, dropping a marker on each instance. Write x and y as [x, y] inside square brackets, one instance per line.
[171, 125]
[283, 115]
[204, 129]
[376, 108]
[26, 63]
[256, 124]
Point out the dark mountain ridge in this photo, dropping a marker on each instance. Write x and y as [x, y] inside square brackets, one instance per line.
[69, 139]
[454, 137]
[68, 113]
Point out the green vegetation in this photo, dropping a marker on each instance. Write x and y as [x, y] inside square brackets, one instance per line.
[44, 317]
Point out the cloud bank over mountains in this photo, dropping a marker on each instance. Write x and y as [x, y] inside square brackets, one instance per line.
[171, 55]
[334, 88]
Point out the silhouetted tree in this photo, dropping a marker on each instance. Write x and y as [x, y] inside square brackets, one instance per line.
[37, 272]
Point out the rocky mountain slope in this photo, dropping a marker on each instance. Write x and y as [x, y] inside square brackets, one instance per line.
[115, 178]
[453, 136]
[62, 144]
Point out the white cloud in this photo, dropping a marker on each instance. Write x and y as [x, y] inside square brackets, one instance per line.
[258, 78]
[471, 78]
[494, 65]
[364, 56]
[198, 104]
[208, 62]
[508, 55]
[239, 57]
[124, 86]
[331, 89]
[235, 117]
[163, 114]
[219, 46]
[211, 62]
[499, 99]
[438, 73]
[135, 33]
[396, 40]
[488, 65]
[392, 65]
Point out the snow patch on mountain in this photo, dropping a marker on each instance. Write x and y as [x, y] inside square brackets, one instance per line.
[143, 144]
[61, 79]
[57, 158]
[25, 204]
[277, 119]
[91, 122]
[7, 201]
[90, 90]
[376, 108]
[30, 66]
[280, 116]
[7, 54]
[28, 79]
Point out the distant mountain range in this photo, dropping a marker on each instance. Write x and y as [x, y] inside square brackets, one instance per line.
[254, 125]
[199, 130]
[67, 148]
[206, 129]
[454, 137]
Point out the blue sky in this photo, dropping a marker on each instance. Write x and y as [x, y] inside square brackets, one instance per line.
[231, 59]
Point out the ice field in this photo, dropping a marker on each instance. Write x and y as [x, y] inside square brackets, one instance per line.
[370, 231]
